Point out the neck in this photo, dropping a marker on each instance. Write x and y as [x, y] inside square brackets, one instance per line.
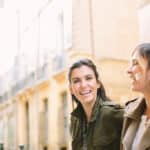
[88, 110]
[147, 99]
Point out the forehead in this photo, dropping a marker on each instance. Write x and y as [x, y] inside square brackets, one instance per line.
[81, 71]
[136, 57]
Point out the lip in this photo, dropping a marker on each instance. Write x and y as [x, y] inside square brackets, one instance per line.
[132, 78]
[85, 92]
[133, 81]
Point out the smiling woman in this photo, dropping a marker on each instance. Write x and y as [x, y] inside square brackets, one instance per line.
[90, 121]
[84, 85]
[136, 129]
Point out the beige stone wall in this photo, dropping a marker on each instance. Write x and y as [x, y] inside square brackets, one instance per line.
[105, 28]
[144, 22]
[142, 3]
[114, 77]
[81, 35]
[115, 28]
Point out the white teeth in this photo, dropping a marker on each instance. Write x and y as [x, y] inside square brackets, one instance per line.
[85, 92]
[137, 76]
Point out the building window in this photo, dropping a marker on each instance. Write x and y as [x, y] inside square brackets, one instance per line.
[11, 132]
[46, 120]
[63, 121]
[1, 131]
[43, 121]
[27, 125]
[65, 108]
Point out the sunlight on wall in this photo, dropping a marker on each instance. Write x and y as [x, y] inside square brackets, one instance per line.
[144, 23]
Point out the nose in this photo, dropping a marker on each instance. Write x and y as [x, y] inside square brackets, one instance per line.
[129, 69]
[83, 83]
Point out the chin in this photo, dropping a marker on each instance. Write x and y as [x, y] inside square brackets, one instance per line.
[89, 101]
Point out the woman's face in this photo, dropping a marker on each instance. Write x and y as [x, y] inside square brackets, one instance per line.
[83, 85]
[139, 74]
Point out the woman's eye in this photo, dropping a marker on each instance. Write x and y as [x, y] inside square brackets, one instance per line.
[134, 63]
[88, 78]
[75, 81]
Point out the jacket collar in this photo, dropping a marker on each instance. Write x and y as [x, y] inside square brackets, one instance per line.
[79, 112]
[135, 109]
[96, 109]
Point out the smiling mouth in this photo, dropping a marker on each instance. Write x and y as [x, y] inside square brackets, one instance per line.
[136, 77]
[132, 77]
[84, 93]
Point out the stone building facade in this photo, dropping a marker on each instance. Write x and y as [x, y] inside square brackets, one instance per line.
[35, 111]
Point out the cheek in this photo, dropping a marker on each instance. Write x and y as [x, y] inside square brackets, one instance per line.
[138, 72]
[138, 75]
[73, 89]
[149, 76]
[148, 84]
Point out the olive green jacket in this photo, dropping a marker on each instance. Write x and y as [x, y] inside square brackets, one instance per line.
[103, 132]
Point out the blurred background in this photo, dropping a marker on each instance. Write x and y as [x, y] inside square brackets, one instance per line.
[39, 40]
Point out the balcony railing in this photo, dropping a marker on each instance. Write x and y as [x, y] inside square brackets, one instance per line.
[42, 73]
[30, 80]
[59, 62]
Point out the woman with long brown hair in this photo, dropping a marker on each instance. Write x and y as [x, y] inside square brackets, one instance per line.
[96, 122]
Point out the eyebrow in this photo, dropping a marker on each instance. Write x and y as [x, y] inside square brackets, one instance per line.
[75, 78]
[91, 75]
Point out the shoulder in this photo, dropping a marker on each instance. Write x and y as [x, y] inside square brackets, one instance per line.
[112, 109]
[112, 112]
[112, 105]
[134, 105]
[131, 102]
